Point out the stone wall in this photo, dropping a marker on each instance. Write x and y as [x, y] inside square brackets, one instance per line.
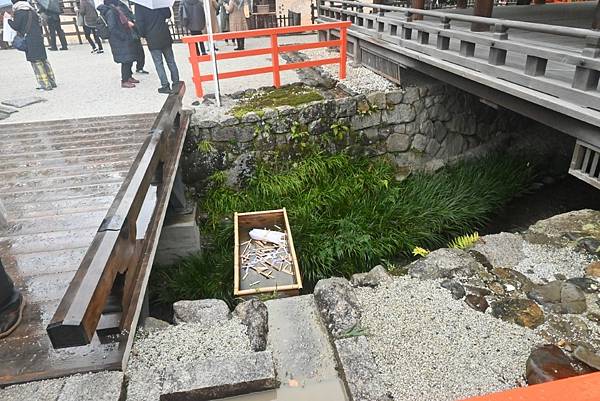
[416, 128]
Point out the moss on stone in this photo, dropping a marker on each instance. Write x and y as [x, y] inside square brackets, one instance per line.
[292, 95]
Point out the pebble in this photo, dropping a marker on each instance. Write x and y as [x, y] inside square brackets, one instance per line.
[585, 284]
[477, 302]
[455, 288]
[548, 363]
[572, 299]
[428, 346]
[523, 312]
[588, 357]
[593, 269]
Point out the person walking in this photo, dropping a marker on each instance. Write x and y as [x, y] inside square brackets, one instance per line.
[140, 56]
[51, 14]
[11, 304]
[237, 20]
[224, 19]
[194, 19]
[27, 23]
[88, 13]
[152, 25]
[121, 39]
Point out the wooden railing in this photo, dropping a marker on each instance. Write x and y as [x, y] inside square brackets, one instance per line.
[118, 262]
[572, 85]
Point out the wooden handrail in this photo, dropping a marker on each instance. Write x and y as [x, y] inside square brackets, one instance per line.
[525, 26]
[117, 249]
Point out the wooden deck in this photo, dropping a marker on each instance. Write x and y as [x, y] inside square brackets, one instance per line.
[57, 181]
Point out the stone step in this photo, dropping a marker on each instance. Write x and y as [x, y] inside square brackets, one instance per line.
[45, 145]
[56, 223]
[76, 192]
[301, 349]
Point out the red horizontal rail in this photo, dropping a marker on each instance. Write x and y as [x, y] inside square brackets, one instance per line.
[268, 31]
[274, 50]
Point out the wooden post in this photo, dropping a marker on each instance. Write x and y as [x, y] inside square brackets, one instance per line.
[343, 51]
[420, 4]
[275, 60]
[483, 8]
[596, 20]
[195, 69]
[461, 4]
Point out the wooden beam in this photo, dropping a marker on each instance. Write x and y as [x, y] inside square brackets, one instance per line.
[461, 4]
[483, 8]
[419, 4]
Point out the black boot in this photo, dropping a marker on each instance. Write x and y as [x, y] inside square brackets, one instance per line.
[240, 45]
[11, 316]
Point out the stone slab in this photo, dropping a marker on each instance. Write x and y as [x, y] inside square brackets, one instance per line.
[101, 386]
[23, 101]
[179, 237]
[7, 110]
[45, 390]
[204, 311]
[359, 369]
[220, 377]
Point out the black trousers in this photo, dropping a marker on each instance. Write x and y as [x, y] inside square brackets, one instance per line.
[126, 72]
[140, 60]
[88, 35]
[7, 289]
[240, 43]
[54, 28]
[200, 49]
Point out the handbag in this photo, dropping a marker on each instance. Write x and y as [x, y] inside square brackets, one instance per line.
[20, 42]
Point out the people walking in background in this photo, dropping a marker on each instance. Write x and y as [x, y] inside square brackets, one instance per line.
[152, 25]
[224, 18]
[88, 13]
[27, 23]
[237, 20]
[140, 56]
[51, 11]
[194, 19]
[122, 42]
[11, 303]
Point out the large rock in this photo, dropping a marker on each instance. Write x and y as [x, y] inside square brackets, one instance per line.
[588, 357]
[338, 305]
[502, 250]
[572, 299]
[213, 378]
[455, 288]
[359, 370]
[255, 316]
[444, 263]
[378, 275]
[204, 311]
[523, 312]
[546, 293]
[548, 363]
[555, 228]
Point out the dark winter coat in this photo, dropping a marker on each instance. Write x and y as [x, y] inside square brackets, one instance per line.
[122, 42]
[88, 12]
[192, 15]
[152, 25]
[35, 41]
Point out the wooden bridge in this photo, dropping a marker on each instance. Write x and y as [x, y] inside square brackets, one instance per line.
[85, 202]
[546, 71]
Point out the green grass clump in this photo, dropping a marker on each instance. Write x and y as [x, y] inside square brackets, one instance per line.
[292, 95]
[347, 215]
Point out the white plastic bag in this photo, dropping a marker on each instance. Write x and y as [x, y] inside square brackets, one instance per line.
[266, 235]
[8, 34]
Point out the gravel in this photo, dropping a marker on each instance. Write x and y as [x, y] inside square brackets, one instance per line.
[542, 262]
[429, 346]
[359, 79]
[154, 355]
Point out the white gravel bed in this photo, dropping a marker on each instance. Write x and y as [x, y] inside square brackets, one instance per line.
[542, 262]
[157, 353]
[428, 346]
[359, 79]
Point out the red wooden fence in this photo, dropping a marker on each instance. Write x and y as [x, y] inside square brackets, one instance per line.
[274, 50]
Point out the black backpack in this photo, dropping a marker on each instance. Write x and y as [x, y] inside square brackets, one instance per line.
[102, 27]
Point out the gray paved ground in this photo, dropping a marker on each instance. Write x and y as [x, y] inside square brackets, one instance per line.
[89, 85]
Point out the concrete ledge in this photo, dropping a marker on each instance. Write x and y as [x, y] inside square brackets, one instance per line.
[220, 377]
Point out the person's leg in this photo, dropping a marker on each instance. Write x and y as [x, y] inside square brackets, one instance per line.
[157, 57]
[49, 73]
[61, 35]
[11, 304]
[40, 74]
[98, 40]
[126, 75]
[170, 58]
[141, 58]
[87, 31]
[52, 33]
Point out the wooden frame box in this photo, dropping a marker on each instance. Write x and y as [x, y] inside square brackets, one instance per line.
[283, 284]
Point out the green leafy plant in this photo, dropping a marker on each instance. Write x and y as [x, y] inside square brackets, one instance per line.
[347, 215]
[464, 241]
[355, 331]
[339, 131]
[205, 146]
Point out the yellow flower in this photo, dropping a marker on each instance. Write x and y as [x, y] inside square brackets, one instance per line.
[418, 251]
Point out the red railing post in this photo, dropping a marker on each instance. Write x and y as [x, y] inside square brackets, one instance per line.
[195, 69]
[343, 51]
[275, 60]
